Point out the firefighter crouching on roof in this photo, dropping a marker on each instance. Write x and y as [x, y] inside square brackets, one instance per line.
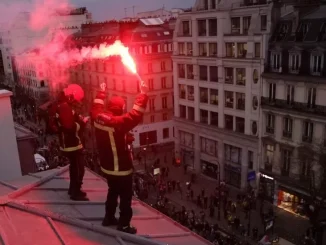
[112, 137]
[69, 127]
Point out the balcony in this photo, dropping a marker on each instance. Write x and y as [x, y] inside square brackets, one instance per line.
[298, 107]
[287, 134]
[307, 139]
[269, 130]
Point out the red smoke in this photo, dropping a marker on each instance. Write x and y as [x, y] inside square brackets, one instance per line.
[50, 53]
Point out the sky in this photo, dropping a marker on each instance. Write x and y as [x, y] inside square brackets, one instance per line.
[101, 9]
[107, 9]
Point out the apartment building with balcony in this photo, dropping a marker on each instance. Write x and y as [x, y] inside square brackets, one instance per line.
[150, 44]
[219, 55]
[294, 109]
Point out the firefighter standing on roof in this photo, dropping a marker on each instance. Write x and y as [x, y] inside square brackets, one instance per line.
[112, 136]
[69, 127]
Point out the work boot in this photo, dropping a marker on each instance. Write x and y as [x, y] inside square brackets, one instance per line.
[109, 221]
[81, 193]
[127, 229]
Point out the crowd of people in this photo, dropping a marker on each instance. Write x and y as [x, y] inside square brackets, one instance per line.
[211, 205]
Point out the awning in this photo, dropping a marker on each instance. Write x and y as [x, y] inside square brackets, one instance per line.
[46, 105]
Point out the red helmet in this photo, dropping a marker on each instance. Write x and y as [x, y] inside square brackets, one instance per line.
[76, 91]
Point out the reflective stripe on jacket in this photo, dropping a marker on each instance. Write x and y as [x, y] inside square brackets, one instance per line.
[111, 138]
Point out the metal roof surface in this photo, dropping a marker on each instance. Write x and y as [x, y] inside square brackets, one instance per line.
[36, 209]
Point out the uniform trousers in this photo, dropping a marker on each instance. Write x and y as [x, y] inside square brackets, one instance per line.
[119, 186]
[76, 170]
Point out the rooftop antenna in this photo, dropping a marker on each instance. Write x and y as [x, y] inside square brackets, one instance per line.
[126, 12]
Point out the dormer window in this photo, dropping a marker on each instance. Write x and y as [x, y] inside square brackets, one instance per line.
[316, 63]
[294, 62]
[276, 60]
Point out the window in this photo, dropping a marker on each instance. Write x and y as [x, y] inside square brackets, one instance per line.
[163, 66]
[287, 127]
[294, 63]
[150, 67]
[242, 50]
[213, 4]
[164, 102]
[272, 92]
[181, 48]
[263, 22]
[185, 28]
[152, 118]
[228, 122]
[213, 74]
[213, 96]
[276, 61]
[286, 162]
[202, 48]
[308, 131]
[232, 154]
[148, 138]
[230, 49]
[257, 50]
[214, 119]
[183, 111]
[164, 117]
[201, 28]
[269, 157]
[166, 133]
[228, 75]
[204, 116]
[235, 25]
[203, 95]
[203, 73]
[240, 76]
[311, 100]
[246, 24]
[150, 84]
[289, 94]
[212, 27]
[181, 71]
[163, 82]
[182, 91]
[229, 99]
[305, 168]
[316, 66]
[189, 49]
[191, 114]
[209, 146]
[212, 49]
[241, 101]
[250, 160]
[270, 123]
[190, 93]
[239, 125]
[190, 71]
[186, 139]
[151, 104]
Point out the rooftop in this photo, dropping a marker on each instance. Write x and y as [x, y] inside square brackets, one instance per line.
[36, 209]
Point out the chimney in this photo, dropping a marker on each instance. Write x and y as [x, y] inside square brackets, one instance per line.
[9, 163]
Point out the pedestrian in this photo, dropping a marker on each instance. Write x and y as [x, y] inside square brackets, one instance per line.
[111, 130]
[68, 125]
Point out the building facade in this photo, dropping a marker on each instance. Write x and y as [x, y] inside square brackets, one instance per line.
[219, 55]
[294, 109]
[150, 44]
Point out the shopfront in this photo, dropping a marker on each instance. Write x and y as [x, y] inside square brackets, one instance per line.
[210, 169]
[292, 201]
[266, 187]
[232, 175]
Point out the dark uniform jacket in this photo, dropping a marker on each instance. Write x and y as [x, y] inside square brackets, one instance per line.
[112, 138]
[69, 126]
